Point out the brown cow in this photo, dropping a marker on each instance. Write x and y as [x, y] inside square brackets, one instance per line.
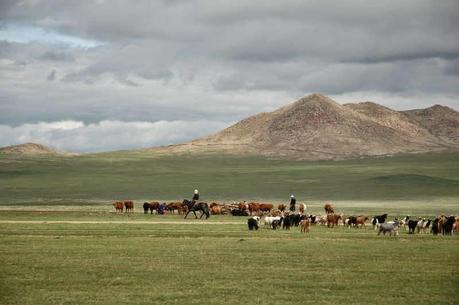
[254, 207]
[119, 206]
[282, 207]
[215, 208]
[304, 225]
[333, 219]
[129, 205]
[329, 208]
[266, 207]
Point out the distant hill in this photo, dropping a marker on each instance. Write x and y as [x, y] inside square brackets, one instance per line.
[316, 127]
[32, 149]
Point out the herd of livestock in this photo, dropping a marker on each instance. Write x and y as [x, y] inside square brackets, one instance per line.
[265, 214]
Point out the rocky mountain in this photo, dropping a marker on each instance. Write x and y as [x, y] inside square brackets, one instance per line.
[316, 127]
[31, 149]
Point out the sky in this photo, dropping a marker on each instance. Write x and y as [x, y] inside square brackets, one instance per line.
[92, 76]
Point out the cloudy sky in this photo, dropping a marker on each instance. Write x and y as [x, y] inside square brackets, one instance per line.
[100, 75]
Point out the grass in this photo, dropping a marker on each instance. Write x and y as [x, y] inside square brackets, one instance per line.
[218, 263]
[61, 243]
[102, 178]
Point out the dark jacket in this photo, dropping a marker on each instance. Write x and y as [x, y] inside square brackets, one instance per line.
[195, 197]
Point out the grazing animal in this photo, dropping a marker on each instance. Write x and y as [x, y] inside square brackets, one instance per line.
[266, 207]
[254, 207]
[152, 206]
[238, 212]
[313, 219]
[281, 207]
[286, 222]
[275, 224]
[412, 224]
[304, 225]
[333, 219]
[423, 225]
[268, 220]
[389, 227]
[252, 223]
[146, 206]
[448, 225]
[302, 208]
[352, 222]
[215, 209]
[360, 221]
[377, 220]
[129, 206]
[329, 208]
[194, 206]
[456, 225]
[119, 206]
[435, 228]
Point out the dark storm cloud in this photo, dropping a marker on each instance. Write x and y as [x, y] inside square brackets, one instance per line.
[221, 60]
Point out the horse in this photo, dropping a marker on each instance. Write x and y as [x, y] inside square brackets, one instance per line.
[194, 206]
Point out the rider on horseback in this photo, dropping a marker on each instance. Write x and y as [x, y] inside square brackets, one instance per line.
[195, 196]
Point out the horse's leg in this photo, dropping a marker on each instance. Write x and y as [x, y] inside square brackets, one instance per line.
[187, 214]
[195, 216]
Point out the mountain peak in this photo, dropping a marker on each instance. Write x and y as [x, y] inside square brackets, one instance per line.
[316, 127]
[30, 149]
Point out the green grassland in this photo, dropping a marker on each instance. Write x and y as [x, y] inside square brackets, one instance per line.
[61, 243]
[101, 178]
[218, 262]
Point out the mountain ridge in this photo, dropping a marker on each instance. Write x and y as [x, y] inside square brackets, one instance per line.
[316, 127]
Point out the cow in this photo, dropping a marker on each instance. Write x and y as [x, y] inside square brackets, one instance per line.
[252, 223]
[389, 227]
[254, 208]
[333, 219]
[129, 206]
[456, 225]
[119, 206]
[304, 225]
[281, 207]
[377, 220]
[215, 208]
[266, 207]
[329, 208]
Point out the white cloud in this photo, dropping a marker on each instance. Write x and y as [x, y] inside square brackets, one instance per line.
[106, 135]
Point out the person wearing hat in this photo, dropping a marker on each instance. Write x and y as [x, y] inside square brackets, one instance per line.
[195, 196]
[292, 203]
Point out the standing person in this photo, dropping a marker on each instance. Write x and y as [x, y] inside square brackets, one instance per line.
[292, 203]
[195, 196]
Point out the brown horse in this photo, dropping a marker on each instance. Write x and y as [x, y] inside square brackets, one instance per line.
[119, 206]
[129, 205]
[333, 219]
[304, 226]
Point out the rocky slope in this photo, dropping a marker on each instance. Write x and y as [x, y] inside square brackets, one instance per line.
[316, 127]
